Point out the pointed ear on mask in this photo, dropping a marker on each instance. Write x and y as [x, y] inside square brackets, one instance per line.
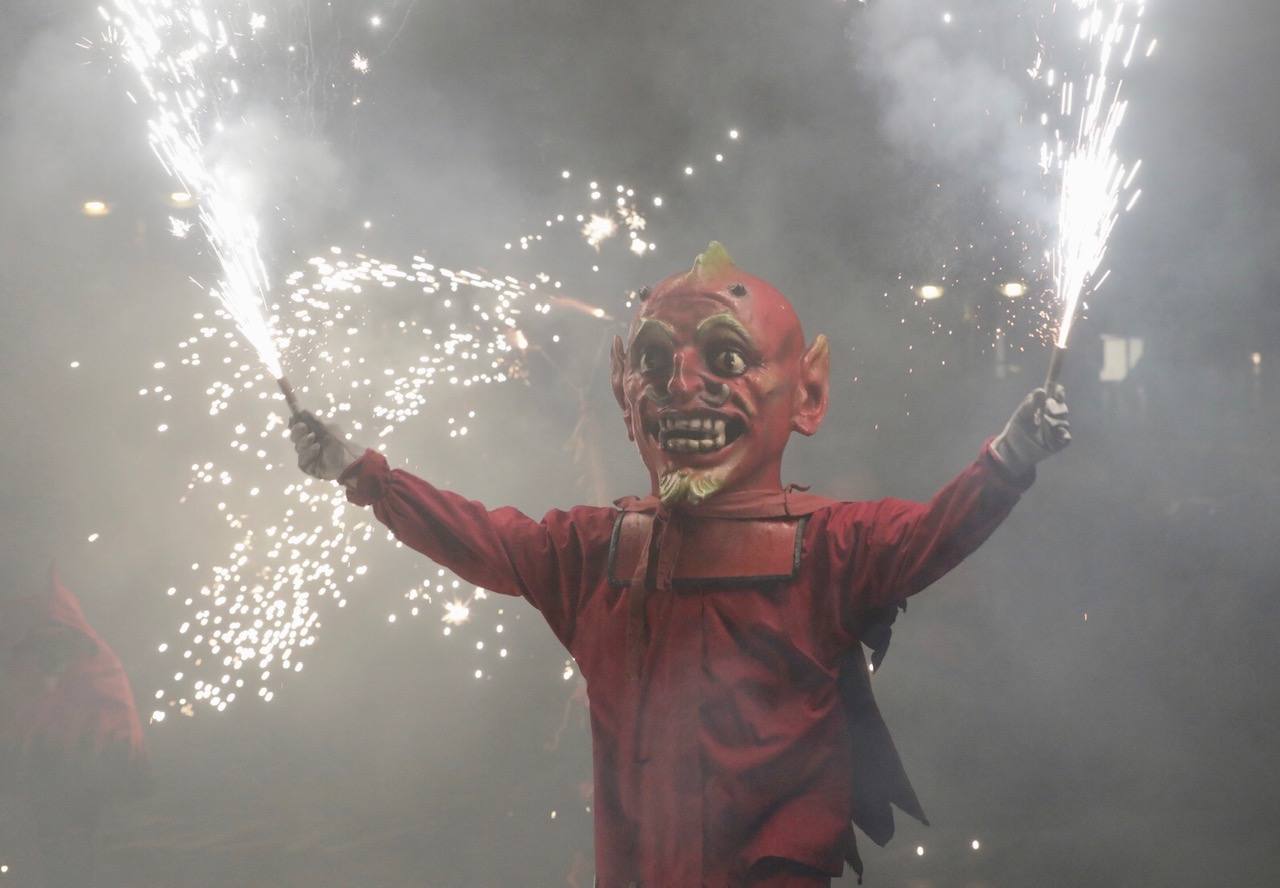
[616, 372]
[813, 388]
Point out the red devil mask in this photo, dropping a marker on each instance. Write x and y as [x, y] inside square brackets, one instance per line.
[714, 378]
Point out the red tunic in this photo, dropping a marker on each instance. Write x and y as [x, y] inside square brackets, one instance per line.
[733, 745]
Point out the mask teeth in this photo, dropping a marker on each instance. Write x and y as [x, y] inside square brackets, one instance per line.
[692, 424]
[692, 434]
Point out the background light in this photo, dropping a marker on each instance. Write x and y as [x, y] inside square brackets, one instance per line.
[931, 291]
[95, 208]
[181, 199]
[1014, 290]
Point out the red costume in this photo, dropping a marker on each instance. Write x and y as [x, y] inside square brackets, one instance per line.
[717, 622]
[733, 746]
[70, 710]
[70, 739]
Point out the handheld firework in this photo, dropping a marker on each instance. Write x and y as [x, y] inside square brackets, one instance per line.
[1093, 176]
[290, 396]
[1055, 367]
[297, 414]
[1057, 357]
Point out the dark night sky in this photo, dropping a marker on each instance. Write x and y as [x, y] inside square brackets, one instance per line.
[1134, 748]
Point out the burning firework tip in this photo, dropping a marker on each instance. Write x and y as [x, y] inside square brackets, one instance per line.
[1056, 359]
[290, 396]
[1093, 177]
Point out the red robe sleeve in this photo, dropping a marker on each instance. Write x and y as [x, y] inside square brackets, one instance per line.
[891, 549]
[501, 550]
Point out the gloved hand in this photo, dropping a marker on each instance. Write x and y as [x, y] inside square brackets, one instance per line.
[323, 450]
[1038, 429]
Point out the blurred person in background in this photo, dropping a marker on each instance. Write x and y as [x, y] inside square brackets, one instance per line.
[70, 739]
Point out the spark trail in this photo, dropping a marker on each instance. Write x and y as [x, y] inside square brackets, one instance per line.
[296, 545]
[186, 58]
[381, 342]
[1095, 183]
[1035, 237]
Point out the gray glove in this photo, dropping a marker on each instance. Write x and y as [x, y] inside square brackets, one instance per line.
[323, 450]
[1038, 429]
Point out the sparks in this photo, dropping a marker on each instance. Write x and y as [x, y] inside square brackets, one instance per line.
[173, 46]
[456, 613]
[107, 50]
[294, 544]
[599, 229]
[1093, 177]
[1048, 272]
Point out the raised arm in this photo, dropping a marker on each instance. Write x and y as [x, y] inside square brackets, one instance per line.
[897, 547]
[501, 550]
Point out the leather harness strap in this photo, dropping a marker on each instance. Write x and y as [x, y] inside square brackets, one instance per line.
[712, 551]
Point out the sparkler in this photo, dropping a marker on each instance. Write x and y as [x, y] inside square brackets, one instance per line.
[259, 610]
[1093, 177]
[290, 396]
[1079, 50]
[177, 49]
[251, 622]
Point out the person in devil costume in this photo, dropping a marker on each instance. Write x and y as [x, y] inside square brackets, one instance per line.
[719, 621]
[70, 739]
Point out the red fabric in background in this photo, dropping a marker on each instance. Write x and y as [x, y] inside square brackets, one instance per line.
[742, 753]
[87, 717]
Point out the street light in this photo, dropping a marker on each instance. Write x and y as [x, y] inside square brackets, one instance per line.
[1014, 290]
[95, 208]
[930, 292]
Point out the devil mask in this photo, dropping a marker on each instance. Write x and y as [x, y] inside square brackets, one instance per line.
[713, 379]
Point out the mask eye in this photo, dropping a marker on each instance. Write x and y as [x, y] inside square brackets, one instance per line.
[728, 362]
[653, 359]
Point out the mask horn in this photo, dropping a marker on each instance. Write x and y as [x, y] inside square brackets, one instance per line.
[712, 262]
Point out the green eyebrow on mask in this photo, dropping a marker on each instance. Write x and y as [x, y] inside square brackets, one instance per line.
[652, 327]
[723, 319]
